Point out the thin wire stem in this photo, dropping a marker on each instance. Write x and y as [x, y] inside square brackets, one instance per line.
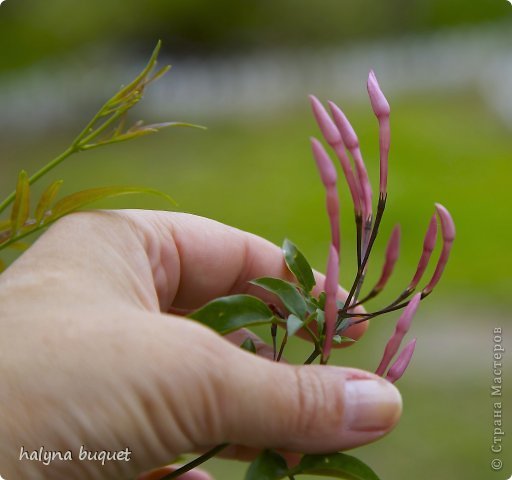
[360, 271]
[196, 462]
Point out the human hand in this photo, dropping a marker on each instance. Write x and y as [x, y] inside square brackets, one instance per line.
[91, 354]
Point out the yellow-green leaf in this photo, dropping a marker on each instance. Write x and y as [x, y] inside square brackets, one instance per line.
[46, 199]
[85, 197]
[21, 206]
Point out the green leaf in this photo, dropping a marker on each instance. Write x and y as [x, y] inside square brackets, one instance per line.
[293, 325]
[46, 200]
[286, 291]
[268, 466]
[321, 300]
[248, 345]
[298, 265]
[339, 339]
[337, 465]
[21, 206]
[226, 314]
[320, 321]
[81, 199]
[345, 323]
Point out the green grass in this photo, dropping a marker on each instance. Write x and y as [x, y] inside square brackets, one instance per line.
[258, 175]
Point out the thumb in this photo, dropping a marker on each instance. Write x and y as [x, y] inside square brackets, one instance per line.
[309, 409]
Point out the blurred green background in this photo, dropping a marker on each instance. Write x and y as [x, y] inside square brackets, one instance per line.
[447, 72]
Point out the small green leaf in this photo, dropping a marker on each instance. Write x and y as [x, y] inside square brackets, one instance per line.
[81, 199]
[248, 345]
[46, 200]
[286, 291]
[226, 314]
[293, 325]
[298, 265]
[21, 206]
[321, 300]
[345, 323]
[339, 339]
[320, 321]
[337, 465]
[268, 466]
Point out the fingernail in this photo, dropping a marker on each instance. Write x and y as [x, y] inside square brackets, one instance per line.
[371, 405]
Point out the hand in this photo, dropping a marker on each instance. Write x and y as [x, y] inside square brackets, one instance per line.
[91, 356]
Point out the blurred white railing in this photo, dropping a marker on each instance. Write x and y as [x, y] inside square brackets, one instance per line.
[46, 96]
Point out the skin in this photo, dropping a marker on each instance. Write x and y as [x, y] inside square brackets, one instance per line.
[94, 353]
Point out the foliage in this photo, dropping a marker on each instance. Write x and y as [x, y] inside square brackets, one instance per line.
[107, 127]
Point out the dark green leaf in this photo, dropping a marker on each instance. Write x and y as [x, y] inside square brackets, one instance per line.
[268, 466]
[21, 206]
[286, 291]
[298, 265]
[337, 465]
[321, 301]
[293, 325]
[46, 200]
[248, 345]
[81, 199]
[226, 314]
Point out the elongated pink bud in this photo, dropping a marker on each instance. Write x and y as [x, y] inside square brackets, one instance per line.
[428, 247]
[382, 111]
[331, 307]
[324, 163]
[402, 362]
[402, 327]
[448, 232]
[333, 138]
[328, 176]
[325, 123]
[392, 252]
[351, 141]
[379, 102]
[333, 211]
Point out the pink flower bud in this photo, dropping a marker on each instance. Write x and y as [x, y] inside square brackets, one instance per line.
[333, 212]
[392, 252]
[448, 232]
[402, 327]
[382, 111]
[379, 102]
[352, 143]
[327, 127]
[331, 307]
[402, 362]
[324, 163]
[428, 247]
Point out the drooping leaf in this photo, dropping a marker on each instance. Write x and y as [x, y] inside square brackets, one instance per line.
[268, 466]
[298, 265]
[293, 324]
[21, 206]
[248, 345]
[286, 291]
[230, 313]
[46, 199]
[336, 465]
[81, 199]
